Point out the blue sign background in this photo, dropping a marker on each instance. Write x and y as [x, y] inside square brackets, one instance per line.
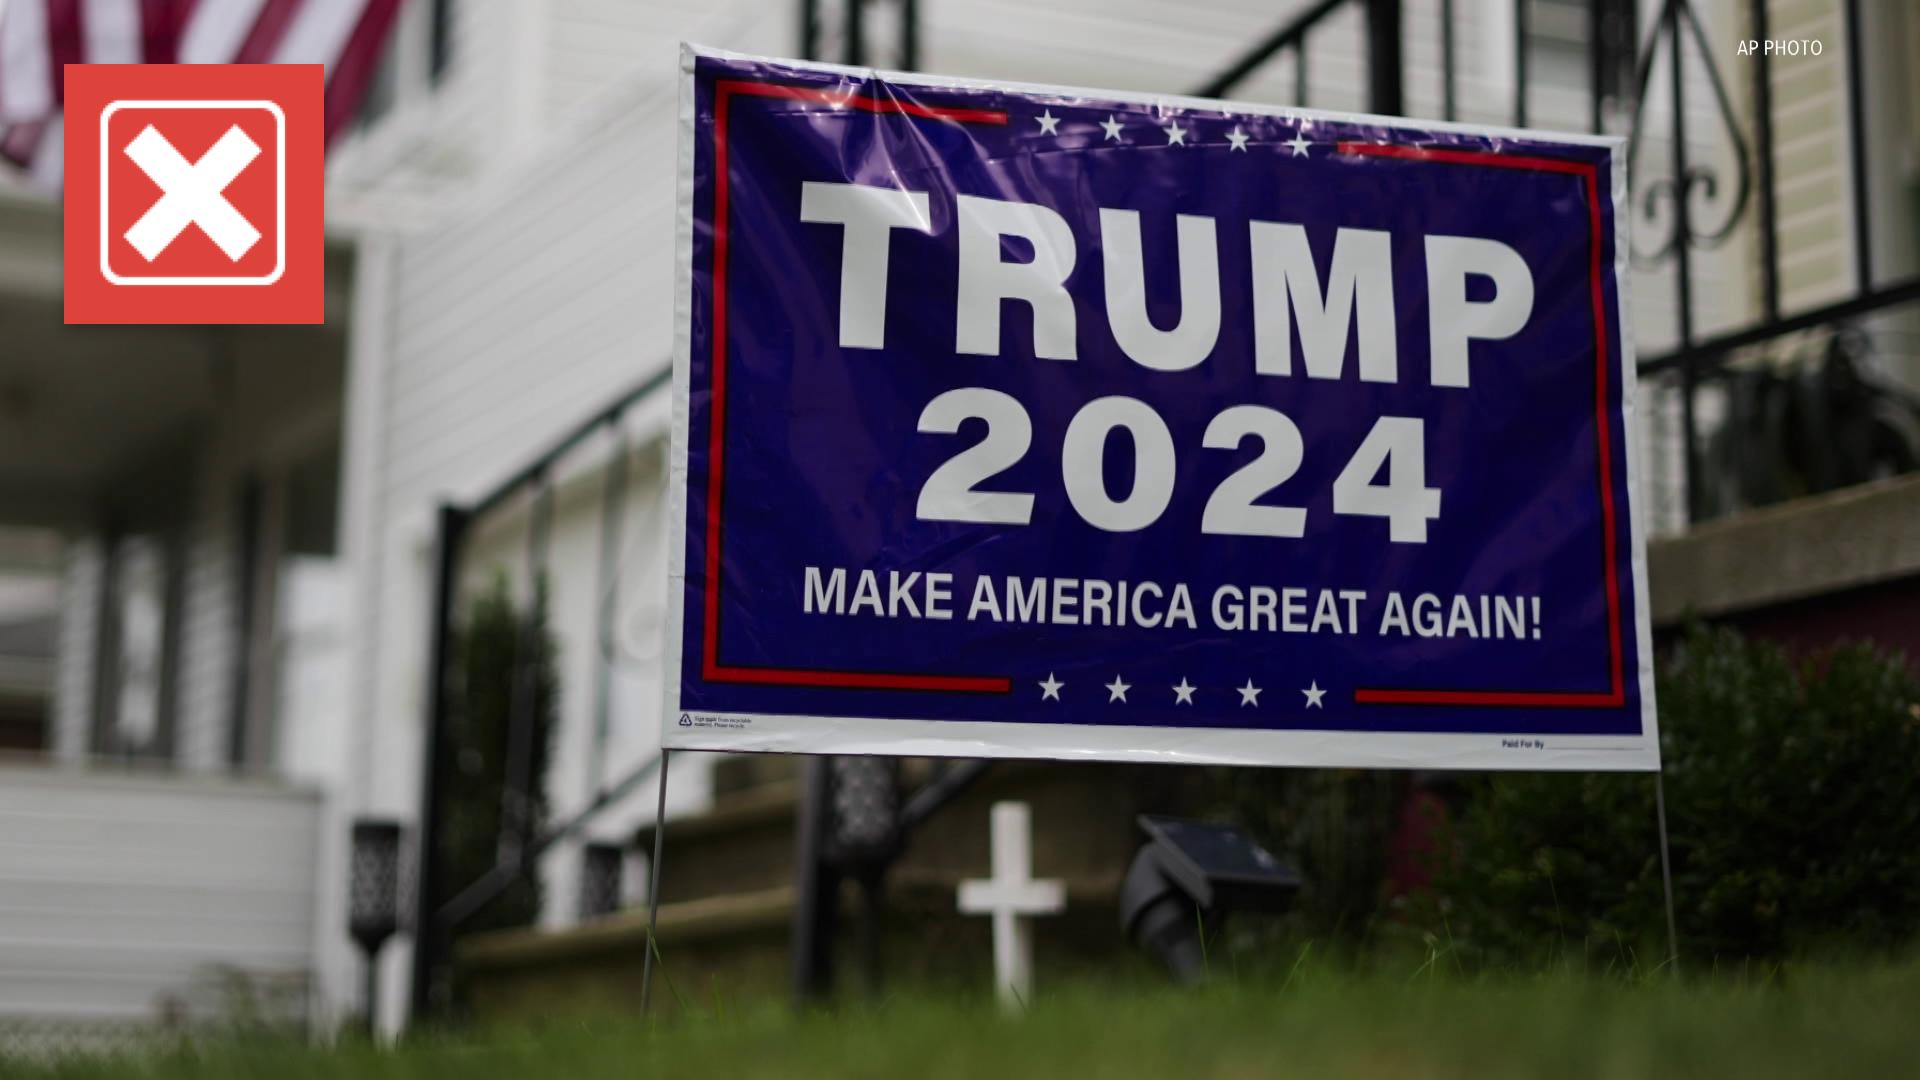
[819, 461]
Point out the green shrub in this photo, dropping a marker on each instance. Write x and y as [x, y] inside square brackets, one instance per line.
[1793, 800]
[1336, 826]
[494, 650]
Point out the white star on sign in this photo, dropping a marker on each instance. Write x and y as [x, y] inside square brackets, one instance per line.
[1249, 694]
[1117, 691]
[1237, 139]
[1183, 693]
[1049, 123]
[1314, 694]
[1112, 128]
[1050, 690]
[1176, 135]
[1299, 143]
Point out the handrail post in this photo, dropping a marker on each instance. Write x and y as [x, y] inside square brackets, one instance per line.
[1856, 67]
[816, 903]
[1386, 93]
[1763, 157]
[427, 943]
[518, 820]
[809, 29]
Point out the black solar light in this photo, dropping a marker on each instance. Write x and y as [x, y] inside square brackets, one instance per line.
[602, 870]
[1187, 879]
[373, 899]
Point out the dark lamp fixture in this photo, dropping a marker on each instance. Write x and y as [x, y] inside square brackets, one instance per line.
[602, 868]
[373, 898]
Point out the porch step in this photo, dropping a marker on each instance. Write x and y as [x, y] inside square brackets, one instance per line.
[688, 922]
[734, 774]
[691, 923]
[742, 845]
[725, 945]
[728, 897]
[722, 950]
[1083, 818]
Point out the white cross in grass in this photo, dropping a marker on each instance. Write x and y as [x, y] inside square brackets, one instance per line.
[1012, 897]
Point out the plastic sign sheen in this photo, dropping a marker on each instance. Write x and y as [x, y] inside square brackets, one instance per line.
[1017, 421]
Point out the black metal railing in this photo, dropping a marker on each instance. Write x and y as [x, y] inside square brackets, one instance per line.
[441, 906]
[1696, 206]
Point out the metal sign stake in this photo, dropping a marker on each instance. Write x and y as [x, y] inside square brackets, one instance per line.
[1666, 867]
[653, 884]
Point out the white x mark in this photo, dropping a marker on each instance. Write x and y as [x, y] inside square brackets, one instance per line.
[191, 194]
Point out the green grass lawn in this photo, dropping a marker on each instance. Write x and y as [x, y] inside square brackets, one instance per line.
[1797, 1022]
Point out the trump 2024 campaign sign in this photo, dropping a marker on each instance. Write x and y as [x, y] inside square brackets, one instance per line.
[1017, 421]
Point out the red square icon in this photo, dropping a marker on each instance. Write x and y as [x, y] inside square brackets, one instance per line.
[194, 193]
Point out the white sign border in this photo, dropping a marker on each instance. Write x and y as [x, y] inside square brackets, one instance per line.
[1135, 743]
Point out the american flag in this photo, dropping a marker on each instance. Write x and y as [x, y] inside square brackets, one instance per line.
[39, 37]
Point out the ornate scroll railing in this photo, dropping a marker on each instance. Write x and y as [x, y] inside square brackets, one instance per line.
[1775, 382]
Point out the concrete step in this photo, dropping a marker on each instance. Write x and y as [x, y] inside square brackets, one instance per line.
[728, 897]
[744, 843]
[1083, 820]
[737, 942]
[735, 774]
[722, 950]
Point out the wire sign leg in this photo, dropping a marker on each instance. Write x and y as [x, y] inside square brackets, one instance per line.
[1666, 865]
[653, 884]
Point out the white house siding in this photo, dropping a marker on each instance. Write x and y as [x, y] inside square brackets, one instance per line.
[595, 46]
[508, 329]
[121, 896]
[546, 293]
[1811, 146]
[1892, 28]
[484, 73]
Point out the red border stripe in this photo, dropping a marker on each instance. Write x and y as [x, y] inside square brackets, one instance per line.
[728, 87]
[713, 671]
[1588, 173]
[1465, 157]
[860, 680]
[1542, 699]
[710, 667]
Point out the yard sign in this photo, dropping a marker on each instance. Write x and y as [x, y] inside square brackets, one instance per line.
[1017, 421]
